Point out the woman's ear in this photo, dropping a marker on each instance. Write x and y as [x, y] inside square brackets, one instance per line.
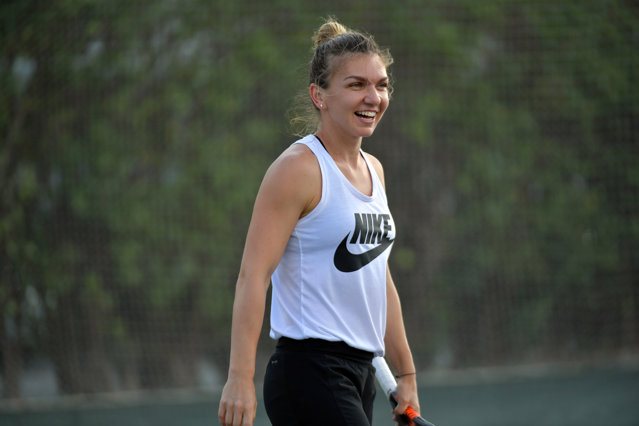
[317, 95]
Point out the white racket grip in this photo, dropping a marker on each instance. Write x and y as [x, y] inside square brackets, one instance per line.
[384, 376]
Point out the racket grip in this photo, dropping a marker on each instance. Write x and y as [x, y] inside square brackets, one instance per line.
[410, 417]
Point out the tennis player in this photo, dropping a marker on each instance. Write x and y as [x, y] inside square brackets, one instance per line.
[321, 232]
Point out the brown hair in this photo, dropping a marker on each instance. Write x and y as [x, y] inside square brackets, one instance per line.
[332, 41]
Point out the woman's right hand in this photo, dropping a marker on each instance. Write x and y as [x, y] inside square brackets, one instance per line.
[291, 188]
[238, 405]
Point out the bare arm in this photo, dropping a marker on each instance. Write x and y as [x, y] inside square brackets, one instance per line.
[289, 191]
[398, 351]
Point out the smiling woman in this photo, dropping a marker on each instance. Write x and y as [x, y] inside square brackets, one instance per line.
[355, 99]
[322, 232]
[333, 44]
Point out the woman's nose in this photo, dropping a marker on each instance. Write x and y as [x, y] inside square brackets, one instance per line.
[372, 96]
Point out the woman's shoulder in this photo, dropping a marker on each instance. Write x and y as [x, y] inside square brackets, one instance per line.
[294, 178]
[297, 158]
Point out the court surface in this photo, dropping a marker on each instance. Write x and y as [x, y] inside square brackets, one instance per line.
[594, 396]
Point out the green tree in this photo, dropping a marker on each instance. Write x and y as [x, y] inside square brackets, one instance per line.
[524, 109]
[134, 136]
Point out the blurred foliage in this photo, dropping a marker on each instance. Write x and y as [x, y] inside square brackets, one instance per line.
[135, 134]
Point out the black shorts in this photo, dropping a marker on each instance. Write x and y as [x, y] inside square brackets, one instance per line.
[314, 382]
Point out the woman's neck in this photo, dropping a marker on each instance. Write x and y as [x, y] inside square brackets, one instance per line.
[342, 149]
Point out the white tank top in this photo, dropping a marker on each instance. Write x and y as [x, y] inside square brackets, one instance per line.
[331, 281]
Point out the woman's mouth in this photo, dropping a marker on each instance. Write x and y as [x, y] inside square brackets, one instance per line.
[368, 116]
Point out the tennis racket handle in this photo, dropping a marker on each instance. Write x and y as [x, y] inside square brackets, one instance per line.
[410, 416]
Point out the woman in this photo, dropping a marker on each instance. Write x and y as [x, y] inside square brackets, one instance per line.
[321, 231]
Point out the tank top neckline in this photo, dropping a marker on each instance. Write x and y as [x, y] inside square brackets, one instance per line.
[348, 183]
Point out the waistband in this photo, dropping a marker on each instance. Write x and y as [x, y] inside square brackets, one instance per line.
[286, 344]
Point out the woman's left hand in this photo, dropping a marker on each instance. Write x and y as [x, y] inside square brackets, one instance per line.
[406, 394]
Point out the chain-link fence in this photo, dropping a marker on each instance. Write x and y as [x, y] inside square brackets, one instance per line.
[135, 135]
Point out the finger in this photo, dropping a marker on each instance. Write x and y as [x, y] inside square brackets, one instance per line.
[238, 415]
[228, 421]
[228, 417]
[400, 408]
[221, 414]
[248, 421]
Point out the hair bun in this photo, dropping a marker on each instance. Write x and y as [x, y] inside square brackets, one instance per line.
[328, 31]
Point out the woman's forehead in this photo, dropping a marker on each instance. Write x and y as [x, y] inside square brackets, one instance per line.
[366, 66]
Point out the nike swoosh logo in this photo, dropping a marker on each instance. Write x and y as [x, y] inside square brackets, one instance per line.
[346, 261]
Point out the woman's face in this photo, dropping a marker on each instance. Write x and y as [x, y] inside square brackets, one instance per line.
[357, 95]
